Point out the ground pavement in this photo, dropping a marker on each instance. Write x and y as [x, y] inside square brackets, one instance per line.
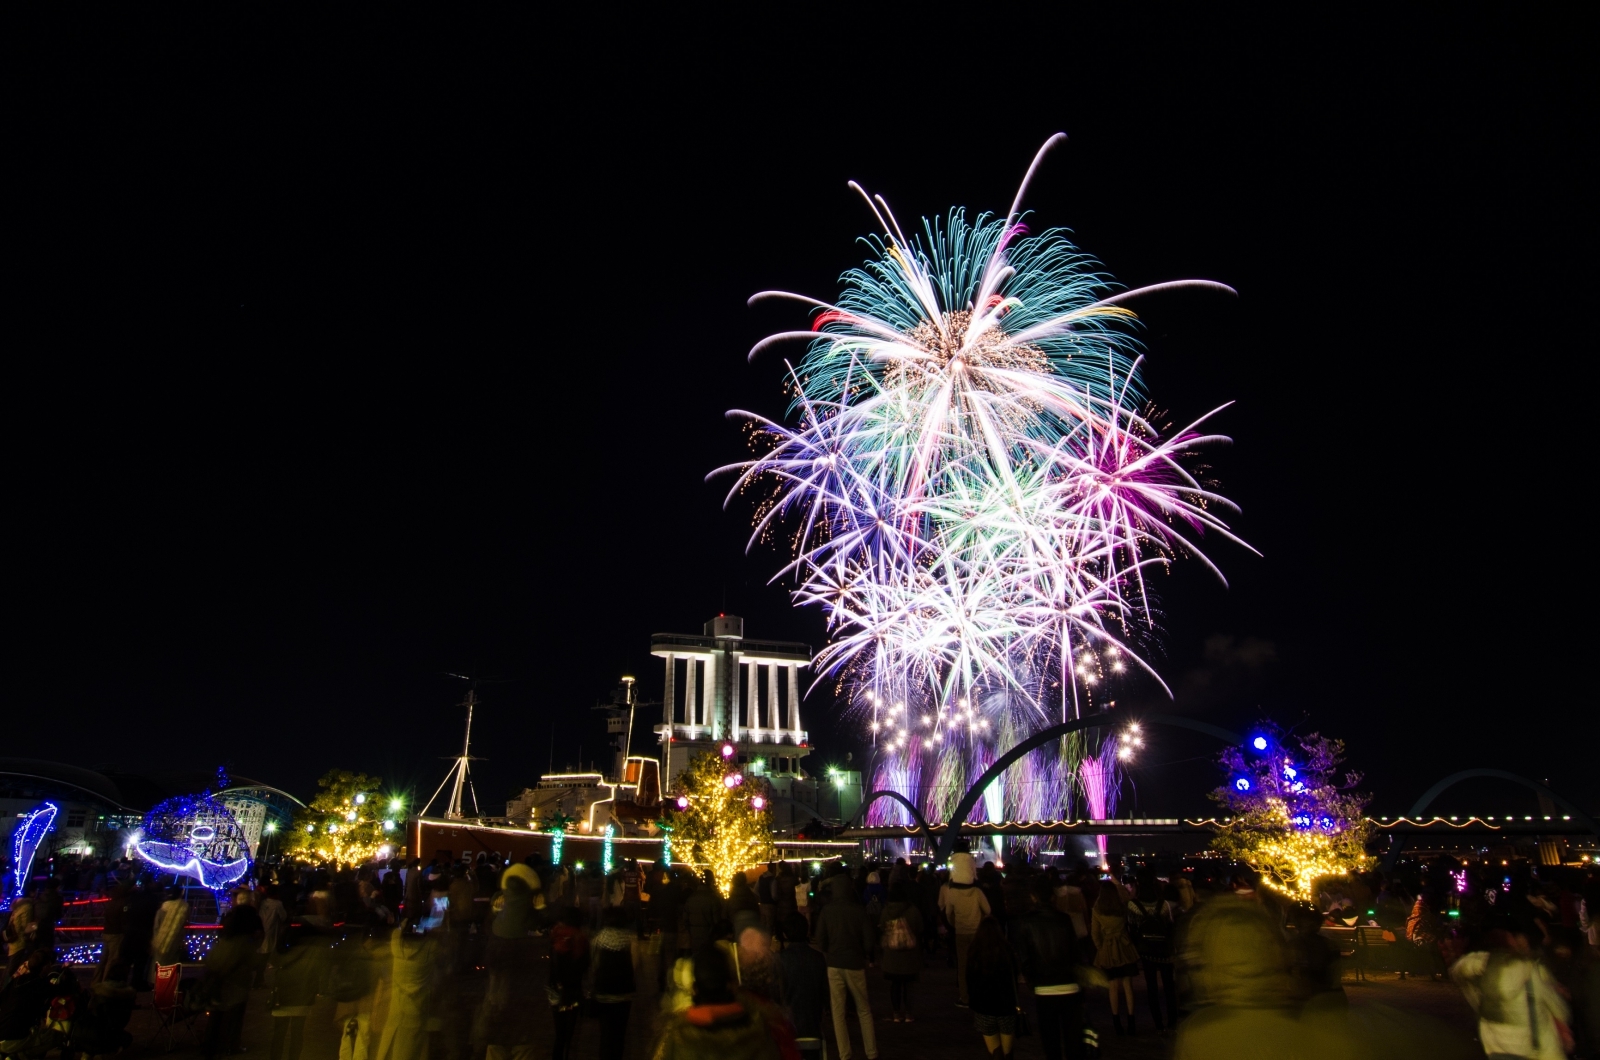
[940, 1028]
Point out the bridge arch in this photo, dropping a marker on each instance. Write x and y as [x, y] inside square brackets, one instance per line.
[1421, 805]
[916, 815]
[947, 844]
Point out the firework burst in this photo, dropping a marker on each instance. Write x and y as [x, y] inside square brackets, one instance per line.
[974, 488]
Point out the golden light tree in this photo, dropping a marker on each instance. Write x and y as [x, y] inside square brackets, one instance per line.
[1291, 817]
[720, 818]
[346, 822]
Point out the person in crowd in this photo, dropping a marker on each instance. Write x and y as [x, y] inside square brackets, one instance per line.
[1521, 1012]
[992, 885]
[783, 894]
[755, 952]
[1424, 932]
[702, 909]
[767, 898]
[354, 969]
[1067, 897]
[928, 887]
[804, 973]
[900, 943]
[172, 920]
[138, 931]
[20, 930]
[742, 907]
[1114, 951]
[569, 960]
[666, 907]
[847, 940]
[992, 982]
[720, 1023]
[505, 1026]
[117, 906]
[1240, 983]
[413, 958]
[274, 921]
[299, 973]
[965, 905]
[1152, 922]
[874, 894]
[47, 906]
[229, 969]
[611, 980]
[1046, 943]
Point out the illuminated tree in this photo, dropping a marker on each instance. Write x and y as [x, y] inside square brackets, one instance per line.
[1290, 815]
[346, 823]
[720, 818]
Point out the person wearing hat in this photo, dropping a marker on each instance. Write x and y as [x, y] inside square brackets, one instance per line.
[964, 905]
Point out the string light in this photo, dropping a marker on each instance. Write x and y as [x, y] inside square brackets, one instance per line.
[720, 823]
[25, 841]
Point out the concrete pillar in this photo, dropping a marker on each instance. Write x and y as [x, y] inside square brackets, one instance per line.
[753, 693]
[715, 694]
[669, 699]
[691, 692]
[772, 696]
[733, 695]
[794, 700]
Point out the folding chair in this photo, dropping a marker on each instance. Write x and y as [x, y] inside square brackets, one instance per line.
[168, 1002]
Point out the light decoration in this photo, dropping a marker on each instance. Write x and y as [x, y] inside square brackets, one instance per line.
[1292, 823]
[30, 831]
[557, 840]
[977, 490]
[606, 862]
[340, 826]
[719, 825]
[195, 836]
[665, 828]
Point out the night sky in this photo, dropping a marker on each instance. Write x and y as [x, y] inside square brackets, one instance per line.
[345, 355]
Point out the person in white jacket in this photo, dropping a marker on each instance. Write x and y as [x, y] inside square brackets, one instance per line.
[964, 905]
[1520, 1011]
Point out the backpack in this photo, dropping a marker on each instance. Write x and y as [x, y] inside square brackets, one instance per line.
[897, 935]
[1153, 936]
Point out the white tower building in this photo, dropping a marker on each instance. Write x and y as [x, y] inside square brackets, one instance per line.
[722, 687]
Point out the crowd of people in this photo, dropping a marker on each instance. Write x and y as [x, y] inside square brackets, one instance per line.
[484, 957]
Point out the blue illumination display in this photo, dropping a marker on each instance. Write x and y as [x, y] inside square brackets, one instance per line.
[195, 836]
[25, 842]
[606, 861]
[1259, 743]
[1242, 783]
[557, 836]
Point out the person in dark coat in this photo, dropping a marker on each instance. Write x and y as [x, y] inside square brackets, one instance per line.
[900, 940]
[569, 961]
[611, 980]
[804, 973]
[702, 910]
[1046, 944]
[848, 941]
[992, 988]
[229, 968]
[666, 906]
[505, 1019]
[299, 973]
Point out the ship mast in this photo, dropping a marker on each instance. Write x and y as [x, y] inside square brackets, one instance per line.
[460, 772]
